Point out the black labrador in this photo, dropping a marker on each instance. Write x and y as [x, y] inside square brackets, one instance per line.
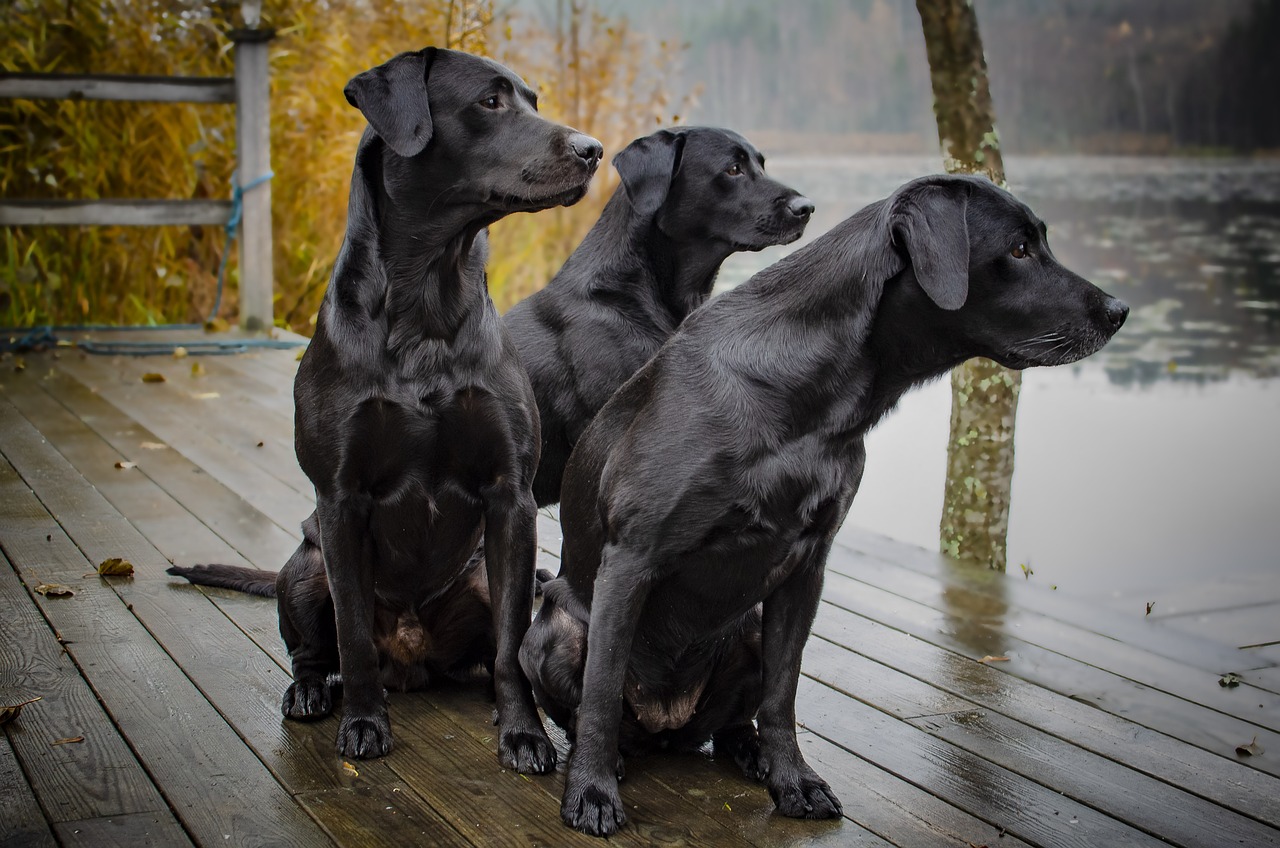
[699, 507]
[414, 418]
[689, 198]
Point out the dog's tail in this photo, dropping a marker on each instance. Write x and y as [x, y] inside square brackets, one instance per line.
[251, 580]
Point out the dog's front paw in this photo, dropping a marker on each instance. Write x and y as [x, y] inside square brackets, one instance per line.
[526, 751]
[307, 700]
[806, 796]
[364, 737]
[595, 808]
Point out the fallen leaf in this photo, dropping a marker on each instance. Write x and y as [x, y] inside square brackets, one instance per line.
[125, 465]
[152, 377]
[350, 769]
[1253, 749]
[54, 590]
[1150, 606]
[990, 659]
[301, 351]
[116, 567]
[10, 712]
[67, 741]
[197, 370]
[260, 444]
[179, 352]
[1230, 681]
[19, 364]
[153, 446]
[1026, 571]
[727, 807]
[216, 325]
[205, 395]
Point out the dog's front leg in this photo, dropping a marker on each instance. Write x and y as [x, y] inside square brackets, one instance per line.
[510, 543]
[591, 801]
[796, 789]
[365, 729]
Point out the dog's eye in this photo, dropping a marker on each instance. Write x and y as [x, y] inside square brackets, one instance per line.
[1019, 252]
[491, 102]
[734, 170]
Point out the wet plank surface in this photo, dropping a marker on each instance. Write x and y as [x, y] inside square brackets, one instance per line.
[1097, 730]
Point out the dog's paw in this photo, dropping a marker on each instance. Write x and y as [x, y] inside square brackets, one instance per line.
[307, 700]
[807, 796]
[528, 752]
[364, 737]
[743, 744]
[593, 808]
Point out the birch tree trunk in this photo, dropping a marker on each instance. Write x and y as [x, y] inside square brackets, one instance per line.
[984, 396]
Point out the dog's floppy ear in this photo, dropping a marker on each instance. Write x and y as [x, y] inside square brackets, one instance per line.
[647, 166]
[929, 221]
[393, 98]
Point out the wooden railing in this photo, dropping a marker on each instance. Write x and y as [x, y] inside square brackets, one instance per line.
[249, 91]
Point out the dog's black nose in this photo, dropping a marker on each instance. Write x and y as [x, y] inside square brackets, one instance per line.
[1116, 310]
[587, 148]
[800, 206]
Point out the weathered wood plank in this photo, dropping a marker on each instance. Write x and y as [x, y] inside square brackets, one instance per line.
[1023, 808]
[218, 787]
[22, 825]
[374, 816]
[154, 89]
[1208, 775]
[114, 213]
[1112, 788]
[97, 777]
[128, 831]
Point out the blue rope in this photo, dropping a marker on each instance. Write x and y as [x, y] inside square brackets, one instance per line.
[46, 335]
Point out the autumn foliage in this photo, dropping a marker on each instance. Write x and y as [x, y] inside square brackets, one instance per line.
[590, 71]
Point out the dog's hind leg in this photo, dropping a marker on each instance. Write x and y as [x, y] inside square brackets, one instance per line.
[552, 656]
[307, 626]
[510, 555]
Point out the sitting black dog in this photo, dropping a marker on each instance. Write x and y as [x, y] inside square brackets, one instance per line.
[699, 506]
[689, 198]
[414, 417]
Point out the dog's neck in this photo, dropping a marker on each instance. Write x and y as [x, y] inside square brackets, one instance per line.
[432, 253]
[685, 270]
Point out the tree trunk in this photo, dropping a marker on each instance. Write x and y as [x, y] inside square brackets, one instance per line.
[984, 396]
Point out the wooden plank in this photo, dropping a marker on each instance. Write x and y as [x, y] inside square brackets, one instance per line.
[135, 829]
[153, 89]
[114, 213]
[282, 504]
[1005, 800]
[97, 777]
[1212, 730]
[22, 825]
[217, 786]
[375, 816]
[1210, 776]
[1110, 787]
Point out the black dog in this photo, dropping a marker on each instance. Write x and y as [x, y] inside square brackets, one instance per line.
[689, 198]
[415, 420]
[700, 505]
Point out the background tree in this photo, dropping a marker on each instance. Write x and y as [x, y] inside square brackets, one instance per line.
[984, 396]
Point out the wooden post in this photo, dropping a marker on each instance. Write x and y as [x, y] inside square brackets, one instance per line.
[253, 160]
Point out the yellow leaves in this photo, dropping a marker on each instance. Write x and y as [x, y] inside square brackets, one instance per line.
[115, 567]
[350, 769]
[10, 712]
[153, 377]
[197, 370]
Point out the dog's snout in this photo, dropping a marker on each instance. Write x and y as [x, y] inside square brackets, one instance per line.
[800, 206]
[1116, 311]
[586, 148]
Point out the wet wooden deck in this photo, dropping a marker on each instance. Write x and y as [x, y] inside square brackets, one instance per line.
[1099, 730]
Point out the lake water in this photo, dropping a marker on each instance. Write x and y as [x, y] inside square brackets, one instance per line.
[1150, 471]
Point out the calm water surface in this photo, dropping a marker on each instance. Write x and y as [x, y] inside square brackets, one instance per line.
[1150, 471]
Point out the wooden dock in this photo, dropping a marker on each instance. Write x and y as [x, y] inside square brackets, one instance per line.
[159, 719]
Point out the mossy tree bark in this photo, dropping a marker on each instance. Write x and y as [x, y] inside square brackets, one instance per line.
[984, 396]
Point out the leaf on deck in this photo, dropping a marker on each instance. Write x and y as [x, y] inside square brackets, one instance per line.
[988, 659]
[197, 370]
[67, 741]
[55, 590]
[350, 769]
[179, 352]
[1150, 606]
[1253, 749]
[116, 567]
[125, 465]
[1231, 680]
[10, 712]
[153, 446]
[153, 377]
[205, 395]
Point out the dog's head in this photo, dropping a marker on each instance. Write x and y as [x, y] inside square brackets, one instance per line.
[469, 127]
[978, 270]
[708, 185]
